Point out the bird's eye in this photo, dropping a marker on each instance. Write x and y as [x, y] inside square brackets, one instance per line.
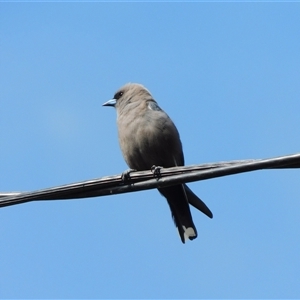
[118, 95]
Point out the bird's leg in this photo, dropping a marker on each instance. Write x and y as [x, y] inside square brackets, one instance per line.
[126, 174]
[156, 170]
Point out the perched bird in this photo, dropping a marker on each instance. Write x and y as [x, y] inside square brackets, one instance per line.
[148, 138]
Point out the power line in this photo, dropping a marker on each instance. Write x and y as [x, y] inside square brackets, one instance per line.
[143, 180]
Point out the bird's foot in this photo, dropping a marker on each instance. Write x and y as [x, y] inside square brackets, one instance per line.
[126, 174]
[156, 170]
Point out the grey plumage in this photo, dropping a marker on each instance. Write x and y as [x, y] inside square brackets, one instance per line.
[148, 137]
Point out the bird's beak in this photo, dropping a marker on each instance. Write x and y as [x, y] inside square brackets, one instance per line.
[111, 102]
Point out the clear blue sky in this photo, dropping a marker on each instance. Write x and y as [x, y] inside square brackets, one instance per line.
[227, 74]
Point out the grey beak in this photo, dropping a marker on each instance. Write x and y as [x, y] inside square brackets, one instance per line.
[111, 102]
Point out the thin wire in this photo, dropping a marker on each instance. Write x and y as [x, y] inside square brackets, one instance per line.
[143, 180]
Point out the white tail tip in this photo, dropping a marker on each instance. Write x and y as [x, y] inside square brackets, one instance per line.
[189, 233]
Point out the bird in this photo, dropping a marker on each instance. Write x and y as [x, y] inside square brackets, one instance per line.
[148, 137]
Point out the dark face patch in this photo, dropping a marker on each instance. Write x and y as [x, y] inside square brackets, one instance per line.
[118, 95]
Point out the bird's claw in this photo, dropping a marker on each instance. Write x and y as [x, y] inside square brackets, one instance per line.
[156, 170]
[126, 175]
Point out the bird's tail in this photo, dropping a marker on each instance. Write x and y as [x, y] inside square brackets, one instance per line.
[177, 200]
[197, 202]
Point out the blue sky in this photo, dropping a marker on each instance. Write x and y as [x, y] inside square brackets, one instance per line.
[226, 73]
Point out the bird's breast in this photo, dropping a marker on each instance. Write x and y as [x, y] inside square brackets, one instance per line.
[146, 141]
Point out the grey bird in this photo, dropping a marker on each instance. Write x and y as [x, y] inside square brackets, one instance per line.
[148, 138]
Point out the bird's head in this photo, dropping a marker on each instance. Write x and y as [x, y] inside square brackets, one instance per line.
[130, 93]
